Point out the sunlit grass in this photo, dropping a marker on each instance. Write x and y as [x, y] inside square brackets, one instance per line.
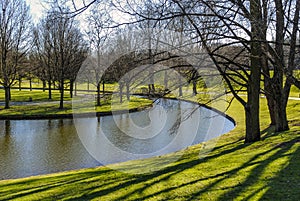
[52, 108]
[41, 106]
[265, 170]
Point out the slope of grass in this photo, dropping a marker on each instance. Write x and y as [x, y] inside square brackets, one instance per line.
[265, 170]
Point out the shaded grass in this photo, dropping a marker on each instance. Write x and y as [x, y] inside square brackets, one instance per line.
[265, 170]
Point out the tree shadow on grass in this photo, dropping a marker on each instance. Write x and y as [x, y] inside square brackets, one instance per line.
[260, 166]
[162, 175]
[228, 182]
[286, 185]
[98, 183]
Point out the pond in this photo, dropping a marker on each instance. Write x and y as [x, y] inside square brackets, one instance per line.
[34, 147]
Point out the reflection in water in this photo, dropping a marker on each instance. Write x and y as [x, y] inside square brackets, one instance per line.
[169, 126]
[32, 147]
[7, 127]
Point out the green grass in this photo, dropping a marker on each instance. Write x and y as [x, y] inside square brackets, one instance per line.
[265, 170]
[36, 95]
[43, 107]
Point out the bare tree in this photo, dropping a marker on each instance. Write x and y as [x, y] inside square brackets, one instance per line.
[15, 22]
[44, 52]
[61, 49]
[98, 19]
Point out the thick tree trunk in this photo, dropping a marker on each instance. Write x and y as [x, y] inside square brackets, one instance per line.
[278, 91]
[252, 105]
[49, 90]
[280, 114]
[252, 125]
[7, 94]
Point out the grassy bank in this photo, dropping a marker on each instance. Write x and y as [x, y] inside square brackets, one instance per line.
[42, 107]
[265, 170]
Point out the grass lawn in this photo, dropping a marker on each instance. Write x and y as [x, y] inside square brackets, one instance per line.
[36, 95]
[265, 170]
[42, 106]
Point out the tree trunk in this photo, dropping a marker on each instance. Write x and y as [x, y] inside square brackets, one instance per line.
[71, 88]
[121, 93]
[151, 88]
[98, 94]
[61, 101]
[280, 114]
[252, 105]
[7, 94]
[44, 85]
[271, 108]
[20, 83]
[252, 125]
[49, 90]
[278, 91]
[30, 84]
[195, 87]
[128, 91]
[103, 86]
[268, 90]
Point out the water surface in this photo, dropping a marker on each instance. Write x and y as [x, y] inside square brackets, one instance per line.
[34, 147]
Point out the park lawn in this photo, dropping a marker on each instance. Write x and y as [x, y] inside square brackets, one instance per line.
[265, 170]
[35, 95]
[47, 109]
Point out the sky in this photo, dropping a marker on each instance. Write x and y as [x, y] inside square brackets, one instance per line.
[37, 8]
